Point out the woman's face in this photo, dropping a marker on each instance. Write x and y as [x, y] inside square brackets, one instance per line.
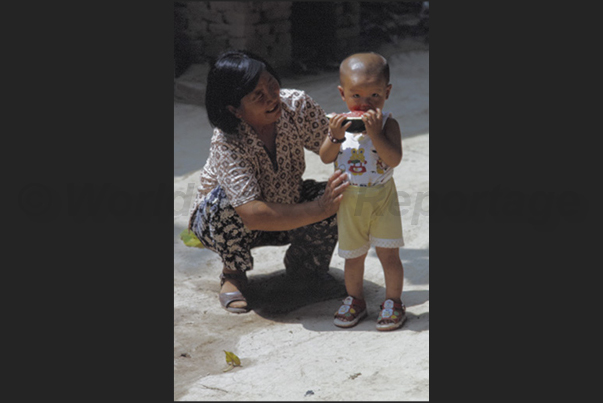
[262, 106]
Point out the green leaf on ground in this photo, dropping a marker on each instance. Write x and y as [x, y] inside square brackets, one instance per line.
[232, 359]
[190, 239]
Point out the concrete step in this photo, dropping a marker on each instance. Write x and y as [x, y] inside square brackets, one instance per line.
[190, 86]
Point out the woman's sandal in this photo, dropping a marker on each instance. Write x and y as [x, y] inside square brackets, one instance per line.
[392, 315]
[351, 312]
[226, 298]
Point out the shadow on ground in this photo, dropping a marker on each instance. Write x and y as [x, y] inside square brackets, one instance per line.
[274, 297]
[276, 294]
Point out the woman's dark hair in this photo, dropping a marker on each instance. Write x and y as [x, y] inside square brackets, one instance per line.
[233, 75]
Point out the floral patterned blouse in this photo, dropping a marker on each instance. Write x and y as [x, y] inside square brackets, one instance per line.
[243, 167]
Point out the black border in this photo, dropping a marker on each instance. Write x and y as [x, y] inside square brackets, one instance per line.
[92, 104]
[93, 109]
[506, 113]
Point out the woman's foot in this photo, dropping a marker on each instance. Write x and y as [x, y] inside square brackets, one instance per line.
[351, 312]
[231, 296]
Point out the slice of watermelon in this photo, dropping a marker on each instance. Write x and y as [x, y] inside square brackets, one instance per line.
[355, 117]
[353, 114]
[349, 115]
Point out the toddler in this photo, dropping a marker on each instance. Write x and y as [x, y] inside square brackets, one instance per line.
[369, 212]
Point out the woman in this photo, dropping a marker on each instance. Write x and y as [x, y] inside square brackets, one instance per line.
[252, 193]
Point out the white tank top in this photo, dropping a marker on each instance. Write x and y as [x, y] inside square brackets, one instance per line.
[359, 159]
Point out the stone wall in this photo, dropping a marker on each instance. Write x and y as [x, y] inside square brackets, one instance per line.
[313, 35]
[294, 36]
[347, 28]
[204, 29]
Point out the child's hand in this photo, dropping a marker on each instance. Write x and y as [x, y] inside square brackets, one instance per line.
[373, 121]
[338, 131]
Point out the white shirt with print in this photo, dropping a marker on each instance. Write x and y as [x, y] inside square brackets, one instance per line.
[358, 157]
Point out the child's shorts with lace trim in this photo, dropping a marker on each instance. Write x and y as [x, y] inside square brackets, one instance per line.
[369, 216]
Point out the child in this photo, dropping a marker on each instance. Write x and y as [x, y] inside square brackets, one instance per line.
[369, 212]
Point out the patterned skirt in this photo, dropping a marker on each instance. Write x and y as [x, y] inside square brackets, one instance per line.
[220, 229]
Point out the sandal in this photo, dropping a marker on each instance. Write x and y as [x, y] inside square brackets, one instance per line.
[351, 312]
[392, 315]
[226, 298]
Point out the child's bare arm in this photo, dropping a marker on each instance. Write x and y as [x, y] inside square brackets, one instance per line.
[387, 142]
[329, 150]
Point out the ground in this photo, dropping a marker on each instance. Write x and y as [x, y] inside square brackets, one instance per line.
[288, 346]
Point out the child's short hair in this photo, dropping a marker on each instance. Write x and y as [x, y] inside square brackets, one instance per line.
[383, 70]
[234, 74]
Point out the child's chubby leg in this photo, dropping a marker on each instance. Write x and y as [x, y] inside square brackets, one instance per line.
[354, 276]
[393, 272]
[353, 309]
[393, 311]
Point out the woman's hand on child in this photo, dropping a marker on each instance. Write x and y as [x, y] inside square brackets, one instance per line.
[373, 121]
[331, 198]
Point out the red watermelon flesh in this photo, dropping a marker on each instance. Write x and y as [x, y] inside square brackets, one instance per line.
[353, 114]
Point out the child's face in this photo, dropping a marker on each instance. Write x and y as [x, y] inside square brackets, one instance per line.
[362, 92]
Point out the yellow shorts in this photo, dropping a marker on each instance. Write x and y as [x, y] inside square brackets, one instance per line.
[369, 216]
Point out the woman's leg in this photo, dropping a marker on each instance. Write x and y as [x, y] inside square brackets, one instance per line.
[312, 246]
[221, 230]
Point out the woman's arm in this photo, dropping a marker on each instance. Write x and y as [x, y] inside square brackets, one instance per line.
[264, 216]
